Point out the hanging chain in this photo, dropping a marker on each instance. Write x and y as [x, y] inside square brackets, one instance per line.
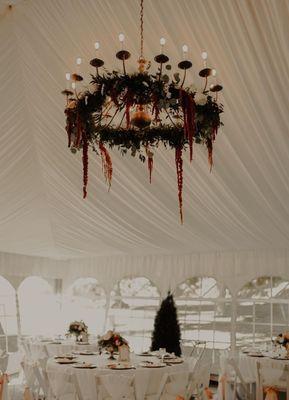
[141, 28]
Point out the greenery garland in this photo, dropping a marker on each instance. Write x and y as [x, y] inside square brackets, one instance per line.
[169, 114]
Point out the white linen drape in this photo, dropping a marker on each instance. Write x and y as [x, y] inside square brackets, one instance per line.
[243, 204]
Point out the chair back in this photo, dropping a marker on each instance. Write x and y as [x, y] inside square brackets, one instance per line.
[30, 378]
[116, 387]
[239, 379]
[4, 358]
[177, 385]
[273, 374]
[3, 387]
[41, 376]
[26, 348]
[187, 351]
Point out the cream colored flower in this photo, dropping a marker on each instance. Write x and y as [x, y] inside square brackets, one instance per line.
[200, 99]
[108, 335]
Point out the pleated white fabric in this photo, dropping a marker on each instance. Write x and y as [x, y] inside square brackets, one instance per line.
[242, 205]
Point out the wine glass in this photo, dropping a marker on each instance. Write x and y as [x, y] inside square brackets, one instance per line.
[162, 352]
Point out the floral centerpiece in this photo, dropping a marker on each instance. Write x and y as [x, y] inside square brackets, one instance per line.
[283, 340]
[112, 342]
[78, 329]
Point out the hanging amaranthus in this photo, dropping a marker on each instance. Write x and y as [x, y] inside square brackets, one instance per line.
[179, 168]
[210, 152]
[128, 100]
[106, 164]
[188, 107]
[79, 130]
[155, 109]
[150, 158]
[85, 163]
[68, 129]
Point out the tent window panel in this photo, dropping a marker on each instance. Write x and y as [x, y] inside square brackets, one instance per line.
[262, 333]
[8, 319]
[201, 304]
[85, 300]
[280, 313]
[133, 306]
[269, 314]
[279, 329]
[262, 313]
[258, 288]
[280, 288]
[39, 309]
[244, 334]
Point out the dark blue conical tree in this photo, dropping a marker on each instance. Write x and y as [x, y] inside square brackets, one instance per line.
[167, 332]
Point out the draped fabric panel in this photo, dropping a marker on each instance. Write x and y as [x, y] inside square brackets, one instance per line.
[232, 269]
[240, 208]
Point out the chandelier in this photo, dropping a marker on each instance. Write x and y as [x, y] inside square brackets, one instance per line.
[135, 113]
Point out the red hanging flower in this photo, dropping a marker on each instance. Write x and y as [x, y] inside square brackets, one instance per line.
[85, 163]
[179, 168]
[210, 152]
[106, 163]
[150, 158]
[188, 107]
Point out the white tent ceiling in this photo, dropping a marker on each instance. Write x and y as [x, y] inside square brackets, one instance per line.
[242, 204]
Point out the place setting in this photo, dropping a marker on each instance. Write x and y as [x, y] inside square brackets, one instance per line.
[152, 364]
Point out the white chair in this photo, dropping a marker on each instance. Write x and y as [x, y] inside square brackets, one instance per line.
[241, 386]
[116, 387]
[4, 358]
[187, 351]
[40, 373]
[25, 346]
[4, 386]
[177, 384]
[272, 375]
[198, 381]
[31, 382]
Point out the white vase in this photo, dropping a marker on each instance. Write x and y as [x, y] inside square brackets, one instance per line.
[123, 353]
[84, 337]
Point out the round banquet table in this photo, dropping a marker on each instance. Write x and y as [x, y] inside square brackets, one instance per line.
[42, 349]
[248, 365]
[64, 378]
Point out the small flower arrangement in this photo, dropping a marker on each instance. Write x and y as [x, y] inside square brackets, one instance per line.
[111, 341]
[282, 339]
[77, 328]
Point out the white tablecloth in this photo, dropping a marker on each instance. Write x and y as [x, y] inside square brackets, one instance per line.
[248, 369]
[147, 380]
[40, 349]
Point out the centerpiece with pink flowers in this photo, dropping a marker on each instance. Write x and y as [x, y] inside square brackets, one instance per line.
[78, 329]
[112, 342]
[283, 340]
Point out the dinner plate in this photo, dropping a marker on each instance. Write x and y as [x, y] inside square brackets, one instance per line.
[279, 358]
[145, 354]
[120, 367]
[83, 343]
[152, 365]
[84, 366]
[173, 360]
[255, 355]
[66, 361]
[64, 357]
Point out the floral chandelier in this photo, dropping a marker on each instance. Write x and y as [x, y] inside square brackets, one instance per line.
[135, 113]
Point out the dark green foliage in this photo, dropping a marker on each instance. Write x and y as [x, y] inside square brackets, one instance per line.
[127, 91]
[166, 332]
